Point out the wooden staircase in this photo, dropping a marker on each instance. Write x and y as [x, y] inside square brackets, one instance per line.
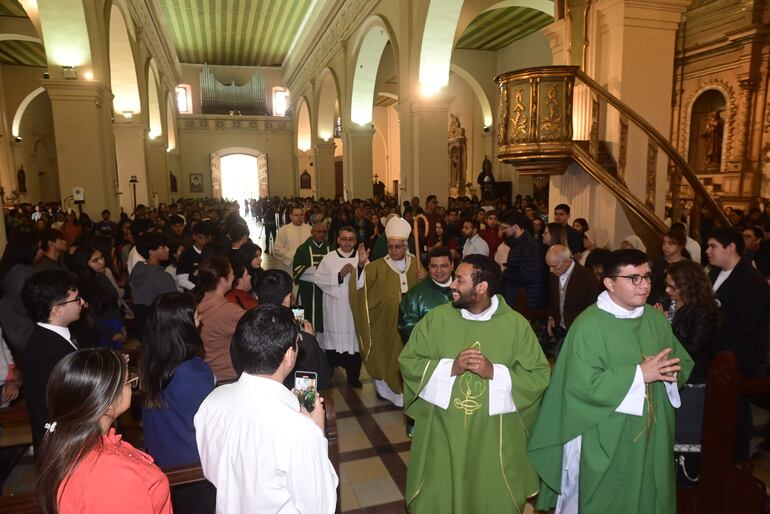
[539, 108]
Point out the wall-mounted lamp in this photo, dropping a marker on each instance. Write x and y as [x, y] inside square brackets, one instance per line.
[46, 75]
[88, 75]
[17, 139]
[486, 128]
[69, 72]
[128, 115]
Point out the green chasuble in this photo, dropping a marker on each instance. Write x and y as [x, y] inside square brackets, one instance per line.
[310, 254]
[375, 313]
[462, 459]
[419, 301]
[626, 461]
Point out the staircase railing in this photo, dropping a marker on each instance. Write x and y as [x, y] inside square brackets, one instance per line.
[540, 106]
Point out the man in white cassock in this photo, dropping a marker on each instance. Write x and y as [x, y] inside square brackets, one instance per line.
[332, 277]
[289, 237]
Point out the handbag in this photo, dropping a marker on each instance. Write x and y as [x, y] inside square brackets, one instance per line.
[687, 438]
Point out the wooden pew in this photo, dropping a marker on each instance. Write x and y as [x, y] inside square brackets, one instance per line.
[723, 487]
[26, 503]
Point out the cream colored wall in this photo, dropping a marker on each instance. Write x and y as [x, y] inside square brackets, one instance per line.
[226, 74]
[197, 144]
[37, 152]
[37, 149]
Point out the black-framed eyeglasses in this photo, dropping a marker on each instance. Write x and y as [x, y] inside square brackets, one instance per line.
[76, 299]
[133, 380]
[636, 279]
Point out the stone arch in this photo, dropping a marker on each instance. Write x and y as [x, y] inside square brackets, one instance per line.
[154, 119]
[262, 168]
[170, 122]
[16, 125]
[376, 35]
[481, 96]
[304, 127]
[437, 44]
[327, 102]
[123, 79]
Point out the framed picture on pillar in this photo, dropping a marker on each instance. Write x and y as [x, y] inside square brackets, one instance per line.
[196, 182]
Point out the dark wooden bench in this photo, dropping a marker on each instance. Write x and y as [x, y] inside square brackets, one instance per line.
[725, 487]
[26, 503]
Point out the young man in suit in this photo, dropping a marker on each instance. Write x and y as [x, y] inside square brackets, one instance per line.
[53, 302]
[744, 302]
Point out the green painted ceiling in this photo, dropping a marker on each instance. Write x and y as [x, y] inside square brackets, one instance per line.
[22, 52]
[498, 28]
[234, 32]
[25, 53]
[12, 8]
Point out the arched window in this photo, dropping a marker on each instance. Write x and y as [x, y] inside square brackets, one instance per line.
[184, 99]
[280, 101]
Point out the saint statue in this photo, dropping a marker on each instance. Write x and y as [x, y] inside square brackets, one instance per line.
[713, 136]
[22, 176]
[486, 179]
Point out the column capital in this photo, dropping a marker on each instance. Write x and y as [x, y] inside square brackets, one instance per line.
[355, 130]
[555, 33]
[76, 90]
[660, 14]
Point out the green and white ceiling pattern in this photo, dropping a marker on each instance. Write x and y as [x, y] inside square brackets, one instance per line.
[14, 51]
[234, 32]
[499, 28]
[12, 8]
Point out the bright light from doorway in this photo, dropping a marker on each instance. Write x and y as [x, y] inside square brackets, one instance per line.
[240, 179]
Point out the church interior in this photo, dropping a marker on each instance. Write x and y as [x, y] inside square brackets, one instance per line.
[633, 113]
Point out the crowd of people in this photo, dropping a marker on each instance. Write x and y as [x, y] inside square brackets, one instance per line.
[458, 313]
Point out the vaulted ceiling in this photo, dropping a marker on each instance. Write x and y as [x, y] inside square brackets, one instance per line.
[498, 28]
[15, 51]
[234, 32]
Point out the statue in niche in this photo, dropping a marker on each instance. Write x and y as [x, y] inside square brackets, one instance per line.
[486, 179]
[305, 180]
[458, 156]
[174, 185]
[22, 176]
[713, 136]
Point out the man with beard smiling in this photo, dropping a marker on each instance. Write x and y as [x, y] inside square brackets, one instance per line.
[474, 375]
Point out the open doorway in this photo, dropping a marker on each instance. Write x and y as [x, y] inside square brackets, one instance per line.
[240, 177]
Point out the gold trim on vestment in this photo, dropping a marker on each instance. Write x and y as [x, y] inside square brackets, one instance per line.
[416, 492]
[368, 321]
[502, 467]
[419, 387]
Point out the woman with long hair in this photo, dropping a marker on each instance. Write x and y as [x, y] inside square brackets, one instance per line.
[218, 315]
[102, 319]
[16, 266]
[673, 249]
[175, 379]
[555, 234]
[83, 465]
[241, 293]
[251, 255]
[694, 316]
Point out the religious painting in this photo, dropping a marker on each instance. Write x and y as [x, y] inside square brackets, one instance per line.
[305, 180]
[196, 182]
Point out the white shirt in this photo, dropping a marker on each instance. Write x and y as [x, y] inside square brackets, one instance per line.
[339, 328]
[261, 453]
[287, 240]
[477, 245]
[723, 275]
[133, 257]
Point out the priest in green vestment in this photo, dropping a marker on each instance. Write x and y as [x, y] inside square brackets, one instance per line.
[374, 298]
[306, 260]
[603, 441]
[428, 294]
[474, 375]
